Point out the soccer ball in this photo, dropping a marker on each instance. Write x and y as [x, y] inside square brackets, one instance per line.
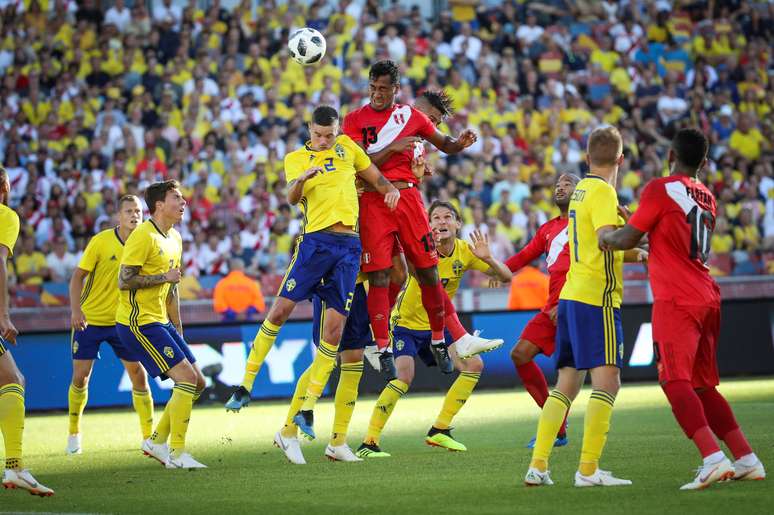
[307, 46]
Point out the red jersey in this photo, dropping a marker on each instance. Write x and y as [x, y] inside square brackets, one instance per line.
[551, 239]
[679, 215]
[376, 130]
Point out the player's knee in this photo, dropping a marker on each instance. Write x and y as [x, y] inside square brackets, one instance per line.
[406, 376]
[398, 275]
[81, 380]
[380, 278]
[138, 377]
[11, 377]
[474, 365]
[519, 356]
[427, 275]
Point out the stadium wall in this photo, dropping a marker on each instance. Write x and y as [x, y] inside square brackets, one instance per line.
[746, 348]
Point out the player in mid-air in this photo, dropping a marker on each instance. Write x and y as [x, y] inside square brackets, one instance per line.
[148, 319]
[93, 298]
[589, 332]
[678, 214]
[376, 126]
[411, 333]
[11, 380]
[326, 261]
[539, 335]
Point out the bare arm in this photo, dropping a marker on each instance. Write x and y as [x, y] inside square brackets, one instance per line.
[173, 308]
[396, 147]
[480, 249]
[7, 330]
[77, 319]
[129, 278]
[449, 145]
[626, 237]
[296, 186]
[374, 177]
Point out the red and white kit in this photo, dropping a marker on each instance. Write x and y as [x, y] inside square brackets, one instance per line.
[551, 239]
[678, 214]
[379, 226]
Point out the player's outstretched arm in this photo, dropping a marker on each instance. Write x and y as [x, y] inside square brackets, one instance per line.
[449, 145]
[374, 177]
[396, 147]
[7, 330]
[173, 308]
[296, 186]
[525, 256]
[481, 250]
[77, 318]
[129, 278]
[625, 238]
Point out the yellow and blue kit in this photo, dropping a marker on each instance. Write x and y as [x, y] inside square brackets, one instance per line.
[9, 233]
[409, 326]
[589, 332]
[141, 319]
[326, 263]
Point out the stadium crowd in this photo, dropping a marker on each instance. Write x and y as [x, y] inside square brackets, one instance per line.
[98, 103]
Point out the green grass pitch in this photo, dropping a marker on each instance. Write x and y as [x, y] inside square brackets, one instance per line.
[247, 474]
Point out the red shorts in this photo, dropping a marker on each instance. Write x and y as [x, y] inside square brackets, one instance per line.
[541, 331]
[379, 227]
[685, 341]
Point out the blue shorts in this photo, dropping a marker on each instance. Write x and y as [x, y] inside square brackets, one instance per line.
[85, 344]
[158, 347]
[324, 264]
[357, 332]
[411, 342]
[588, 336]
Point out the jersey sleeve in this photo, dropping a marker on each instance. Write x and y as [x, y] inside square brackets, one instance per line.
[604, 207]
[136, 249]
[361, 160]
[90, 256]
[426, 128]
[350, 126]
[528, 254]
[649, 210]
[9, 231]
[294, 166]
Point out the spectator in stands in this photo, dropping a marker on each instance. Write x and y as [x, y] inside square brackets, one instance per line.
[61, 262]
[747, 140]
[237, 294]
[31, 264]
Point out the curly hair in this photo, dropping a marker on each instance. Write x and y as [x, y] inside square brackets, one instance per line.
[440, 100]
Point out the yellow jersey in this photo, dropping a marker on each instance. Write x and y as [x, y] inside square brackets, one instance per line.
[9, 228]
[595, 277]
[409, 312]
[102, 259]
[329, 197]
[156, 253]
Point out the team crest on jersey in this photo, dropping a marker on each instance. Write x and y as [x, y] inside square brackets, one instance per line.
[339, 151]
[457, 268]
[168, 352]
[290, 285]
[75, 346]
[400, 344]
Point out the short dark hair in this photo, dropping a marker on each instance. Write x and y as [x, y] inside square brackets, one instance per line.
[157, 192]
[325, 116]
[385, 67]
[127, 198]
[690, 147]
[439, 99]
[448, 205]
[570, 176]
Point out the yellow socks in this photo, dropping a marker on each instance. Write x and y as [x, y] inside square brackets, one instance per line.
[456, 397]
[551, 418]
[161, 433]
[143, 405]
[346, 396]
[262, 343]
[595, 428]
[12, 423]
[386, 402]
[320, 371]
[299, 396]
[77, 399]
[179, 408]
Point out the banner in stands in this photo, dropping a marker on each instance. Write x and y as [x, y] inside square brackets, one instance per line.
[746, 348]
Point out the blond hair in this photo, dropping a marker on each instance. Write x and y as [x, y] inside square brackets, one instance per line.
[605, 146]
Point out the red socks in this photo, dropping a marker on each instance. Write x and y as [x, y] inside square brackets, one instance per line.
[432, 300]
[379, 312]
[393, 293]
[451, 319]
[689, 412]
[723, 423]
[536, 385]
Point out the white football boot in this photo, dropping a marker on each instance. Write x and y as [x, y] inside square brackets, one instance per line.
[74, 444]
[599, 478]
[745, 473]
[536, 478]
[340, 453]
[157, 451]
[184, 461]
[291, 447]
[23, 480]
[711, 473]
[472, 344]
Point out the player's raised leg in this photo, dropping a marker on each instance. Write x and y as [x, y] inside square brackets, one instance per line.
[460, 391]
